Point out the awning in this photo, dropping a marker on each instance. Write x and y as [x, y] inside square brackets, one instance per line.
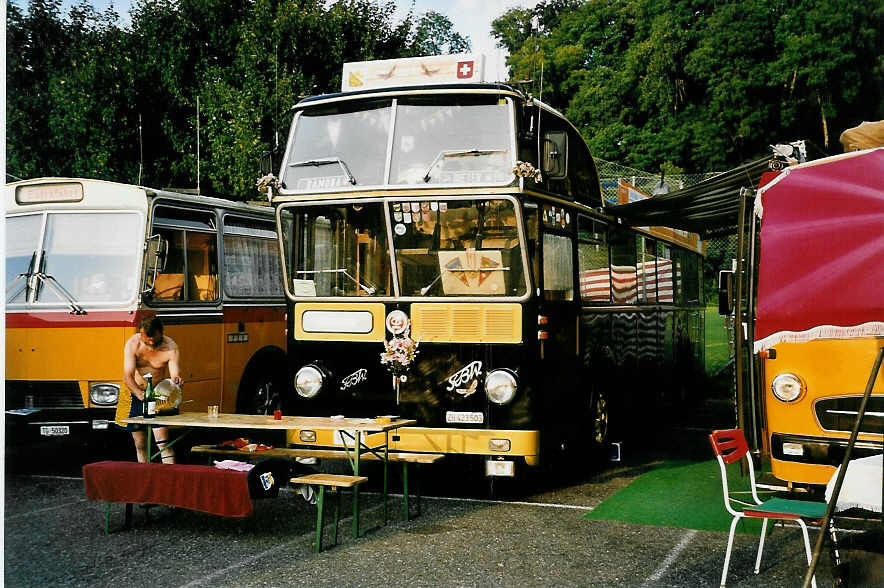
[821, 269]
[708, 207]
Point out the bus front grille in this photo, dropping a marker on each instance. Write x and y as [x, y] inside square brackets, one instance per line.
[838, 414]
[467, 323]
[46, 394]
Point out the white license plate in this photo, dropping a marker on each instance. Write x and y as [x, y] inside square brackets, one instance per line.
[55, 430]
[476, 418]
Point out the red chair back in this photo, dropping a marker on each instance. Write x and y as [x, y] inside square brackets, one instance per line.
[729, 444]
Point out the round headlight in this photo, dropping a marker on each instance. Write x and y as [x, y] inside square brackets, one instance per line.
[104, 394]
[308, 381]
[787, 387]
[500, 386]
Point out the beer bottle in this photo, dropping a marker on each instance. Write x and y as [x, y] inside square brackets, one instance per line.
[150, 399]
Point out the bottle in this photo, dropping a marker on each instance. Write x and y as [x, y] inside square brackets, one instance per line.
[150, 399]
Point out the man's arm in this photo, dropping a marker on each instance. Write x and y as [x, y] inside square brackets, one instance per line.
[129, 372]
[174, 368]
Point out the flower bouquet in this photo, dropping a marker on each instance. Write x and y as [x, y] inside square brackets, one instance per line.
[399, 353]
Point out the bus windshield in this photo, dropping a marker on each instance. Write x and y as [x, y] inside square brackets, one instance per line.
[453, 247]
[457, 248]
[84, 257]
[337, 250]
[439, 139]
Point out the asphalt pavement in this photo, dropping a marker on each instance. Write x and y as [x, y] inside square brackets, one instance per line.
[534, 536]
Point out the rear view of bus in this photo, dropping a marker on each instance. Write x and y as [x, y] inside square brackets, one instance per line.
[73, 257]
[820, 321]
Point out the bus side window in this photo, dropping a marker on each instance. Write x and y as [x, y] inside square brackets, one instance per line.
[646, 268]
[592, 259]
[169, 285]
[558, 267]
[623, 278]
[202, 264]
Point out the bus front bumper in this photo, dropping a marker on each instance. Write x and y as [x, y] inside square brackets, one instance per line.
[812, 460]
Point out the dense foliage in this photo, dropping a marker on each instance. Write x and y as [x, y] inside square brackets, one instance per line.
[701, 85]
[86, 96]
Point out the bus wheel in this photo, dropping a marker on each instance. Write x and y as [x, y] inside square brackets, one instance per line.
[260, 395]
[599, 420]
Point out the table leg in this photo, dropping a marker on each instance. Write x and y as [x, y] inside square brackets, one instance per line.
[386, 457]
[148, 449]
[358, 449]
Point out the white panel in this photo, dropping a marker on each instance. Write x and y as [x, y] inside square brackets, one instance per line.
[337, 321]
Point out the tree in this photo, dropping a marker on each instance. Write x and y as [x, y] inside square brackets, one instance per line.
[700, 85]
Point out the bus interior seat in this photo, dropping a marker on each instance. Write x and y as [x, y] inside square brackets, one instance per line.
[169, 287]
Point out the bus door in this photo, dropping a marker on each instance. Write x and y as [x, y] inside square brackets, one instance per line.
[557, 331]
[186, 297]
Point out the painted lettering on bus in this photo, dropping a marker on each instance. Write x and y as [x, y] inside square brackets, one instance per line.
[464, 375]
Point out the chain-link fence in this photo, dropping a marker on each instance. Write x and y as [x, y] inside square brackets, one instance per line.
[611, 173]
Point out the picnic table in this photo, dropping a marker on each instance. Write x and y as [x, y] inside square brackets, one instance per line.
[351, 430]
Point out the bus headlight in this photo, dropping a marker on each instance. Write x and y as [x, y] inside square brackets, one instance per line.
[500, 386]
[787, 387]
[308, 381]
[104, 394]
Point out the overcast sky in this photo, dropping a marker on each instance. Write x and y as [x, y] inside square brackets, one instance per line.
[470, 17]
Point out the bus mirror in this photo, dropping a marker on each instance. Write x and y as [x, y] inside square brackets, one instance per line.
[555, 152]
[725, 292]
[266, 163]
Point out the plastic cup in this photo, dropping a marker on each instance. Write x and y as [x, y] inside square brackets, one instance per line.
[277, 415]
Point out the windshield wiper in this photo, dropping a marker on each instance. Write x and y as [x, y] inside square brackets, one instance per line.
[368, 289]
[60, 291]
[459, 153]
[326, 161]
[24, 276]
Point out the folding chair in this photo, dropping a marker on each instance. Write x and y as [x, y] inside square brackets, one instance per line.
[730, 446]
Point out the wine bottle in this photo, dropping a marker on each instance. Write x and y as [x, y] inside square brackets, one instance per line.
[150, 399]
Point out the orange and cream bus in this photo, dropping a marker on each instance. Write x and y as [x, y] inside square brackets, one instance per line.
[820, 318]
[87, 259]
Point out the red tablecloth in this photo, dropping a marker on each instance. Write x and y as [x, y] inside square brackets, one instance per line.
[195, 487]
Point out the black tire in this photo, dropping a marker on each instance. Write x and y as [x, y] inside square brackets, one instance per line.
[261, 393]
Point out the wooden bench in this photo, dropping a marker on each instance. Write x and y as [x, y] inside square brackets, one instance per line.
[194, 487]
[403, 457]
[333, 481]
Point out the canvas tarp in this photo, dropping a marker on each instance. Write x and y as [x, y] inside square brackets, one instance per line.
[706, 208]
[821, 272]
[864, 136]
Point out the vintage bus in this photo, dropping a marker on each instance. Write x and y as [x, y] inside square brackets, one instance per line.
[87, 259]
[820, 317]
[468, 217]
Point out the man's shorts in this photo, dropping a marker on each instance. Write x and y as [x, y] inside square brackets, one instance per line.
[136, 409]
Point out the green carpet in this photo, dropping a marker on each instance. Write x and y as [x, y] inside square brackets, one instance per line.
[680, 494]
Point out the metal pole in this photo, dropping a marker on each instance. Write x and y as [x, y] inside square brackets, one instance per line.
[750, 322]
[738, 312]
[830, 508]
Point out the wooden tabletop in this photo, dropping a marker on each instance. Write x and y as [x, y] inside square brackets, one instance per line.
[257, 421]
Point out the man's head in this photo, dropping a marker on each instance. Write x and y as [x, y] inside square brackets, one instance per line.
[151, 331]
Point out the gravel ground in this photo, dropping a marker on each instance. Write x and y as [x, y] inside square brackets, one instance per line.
[536, 537]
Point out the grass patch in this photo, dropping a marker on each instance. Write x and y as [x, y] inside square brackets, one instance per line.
[681, 494]
[717, 348]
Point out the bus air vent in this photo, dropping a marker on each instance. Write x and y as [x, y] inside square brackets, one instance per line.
[467, 323]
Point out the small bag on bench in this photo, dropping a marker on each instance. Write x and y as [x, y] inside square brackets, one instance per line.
[267, 476]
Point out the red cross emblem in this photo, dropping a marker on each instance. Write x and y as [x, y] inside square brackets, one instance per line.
[464, 69]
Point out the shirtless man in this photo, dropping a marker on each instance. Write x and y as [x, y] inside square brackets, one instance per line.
[149, 351]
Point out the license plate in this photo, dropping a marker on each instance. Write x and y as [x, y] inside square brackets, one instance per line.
[476, 418]
[55, 430]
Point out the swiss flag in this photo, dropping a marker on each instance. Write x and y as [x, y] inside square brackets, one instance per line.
[464, 69]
